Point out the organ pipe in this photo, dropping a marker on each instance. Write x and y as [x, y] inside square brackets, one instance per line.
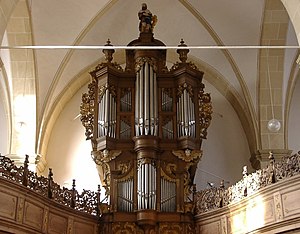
[185, 115]
[146, 111]
[146, 186]
[107, 115]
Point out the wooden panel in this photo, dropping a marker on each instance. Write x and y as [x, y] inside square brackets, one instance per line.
[57, 224]
[290, 203]
[211, 228]
[237, 222]
[80, 228]
[268, 211]
[33, 215]
[8, 205]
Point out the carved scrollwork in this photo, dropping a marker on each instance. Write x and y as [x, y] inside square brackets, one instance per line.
[102, 158]
[186, 87]
[105, 156]
[188, 155]
[85, 201]
[124, 167]
[178, 65]
[87, 110]
[210, 199]
[205, 112]
[142, 60]
[103, 88]
[126, 228]
[106, 64]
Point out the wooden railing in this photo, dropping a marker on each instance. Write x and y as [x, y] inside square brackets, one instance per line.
[213, 198]
[87, 201]
[266, 201]
[35, 204]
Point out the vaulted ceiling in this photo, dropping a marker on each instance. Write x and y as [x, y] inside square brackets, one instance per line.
[241, 75]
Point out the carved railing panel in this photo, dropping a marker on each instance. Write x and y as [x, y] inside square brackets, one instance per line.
[87, 201]
[214, 198]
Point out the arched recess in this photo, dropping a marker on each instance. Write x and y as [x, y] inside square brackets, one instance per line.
[271, 91]
[291, 110]
[22, 83]
[223, 86]
[60, 102]
[293, 9]
[48, 106]
[5, 112]
[6, 8]
[248, 105]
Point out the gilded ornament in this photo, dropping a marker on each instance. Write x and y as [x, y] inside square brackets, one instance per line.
[142, 60]
[188, 155]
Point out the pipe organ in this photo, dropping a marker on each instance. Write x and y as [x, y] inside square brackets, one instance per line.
[146, 123]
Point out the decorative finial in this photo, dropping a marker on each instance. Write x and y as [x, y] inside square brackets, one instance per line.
[245, 171]
[108, 52]
[222, 184]
[271, 156]
[147, 20]
[182, 52]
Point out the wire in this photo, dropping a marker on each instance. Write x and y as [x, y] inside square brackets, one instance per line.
[270, 87]
[96, 47]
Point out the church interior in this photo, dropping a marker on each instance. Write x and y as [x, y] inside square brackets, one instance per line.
[174, 116]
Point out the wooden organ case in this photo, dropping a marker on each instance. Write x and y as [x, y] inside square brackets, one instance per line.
[146, 124]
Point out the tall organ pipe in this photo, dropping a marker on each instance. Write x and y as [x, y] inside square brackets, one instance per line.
[146, 111]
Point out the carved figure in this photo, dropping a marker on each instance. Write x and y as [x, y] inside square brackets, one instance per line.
[147, 21]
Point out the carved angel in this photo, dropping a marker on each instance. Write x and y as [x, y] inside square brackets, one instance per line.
[188, 155]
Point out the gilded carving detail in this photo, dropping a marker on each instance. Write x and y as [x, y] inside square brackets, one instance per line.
[102, 89]
[102, 158]
[87, 110]
[186, 87]
[188, 155]
[105, 156]
[178, 65]
[174, 228]
[124, 167]
[205, 112]
[142, 60]
[214, 198]
[106, 64]
[126, 228]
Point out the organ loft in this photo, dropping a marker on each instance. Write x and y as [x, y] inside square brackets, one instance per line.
[146, 124]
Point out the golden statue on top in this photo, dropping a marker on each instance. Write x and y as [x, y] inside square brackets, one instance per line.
[147, 20]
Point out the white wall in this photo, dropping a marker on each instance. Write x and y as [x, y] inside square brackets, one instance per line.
[294, 118]
[225, 151]
[69, 154]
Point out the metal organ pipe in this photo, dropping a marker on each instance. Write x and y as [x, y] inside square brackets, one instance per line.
[141, 96]
[152, 102]
[146, 111]
[146, 99]
[185, 115]
[107, 114]
[155, 106]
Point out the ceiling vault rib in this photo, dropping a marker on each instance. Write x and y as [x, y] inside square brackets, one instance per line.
[252, 120]
[41, 124]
